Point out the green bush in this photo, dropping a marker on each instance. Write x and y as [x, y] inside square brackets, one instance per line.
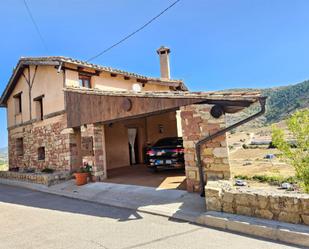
[244, 146]
[273, 180]
[298, 155]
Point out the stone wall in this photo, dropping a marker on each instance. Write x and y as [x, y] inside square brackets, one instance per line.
[39, 178]
[59, 143]
[292, 208]
[97, 157]
[197, 123]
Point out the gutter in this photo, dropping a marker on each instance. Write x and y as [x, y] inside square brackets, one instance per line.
[262, 101]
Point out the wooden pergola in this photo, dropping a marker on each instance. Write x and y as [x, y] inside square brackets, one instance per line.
[89, 106]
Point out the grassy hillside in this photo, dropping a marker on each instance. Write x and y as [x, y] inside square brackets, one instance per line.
[281, 102]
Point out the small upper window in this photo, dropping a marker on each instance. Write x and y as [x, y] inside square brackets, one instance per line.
[39, 107]
[84, 81]
[18, 103]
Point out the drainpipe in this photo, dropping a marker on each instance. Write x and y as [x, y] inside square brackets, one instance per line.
[262, 101]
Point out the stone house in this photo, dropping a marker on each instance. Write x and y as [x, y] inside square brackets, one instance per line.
[62, 111]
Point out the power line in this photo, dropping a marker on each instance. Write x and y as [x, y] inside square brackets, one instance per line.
[35, 25]
[134, 32]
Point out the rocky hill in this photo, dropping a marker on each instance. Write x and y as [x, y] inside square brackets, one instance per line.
[281, 103]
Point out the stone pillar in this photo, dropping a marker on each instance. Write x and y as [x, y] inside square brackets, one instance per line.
[197, 123]
[72, 158]
[99, 153]
[77, 159]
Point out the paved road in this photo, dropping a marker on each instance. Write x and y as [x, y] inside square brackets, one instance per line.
[30, 219]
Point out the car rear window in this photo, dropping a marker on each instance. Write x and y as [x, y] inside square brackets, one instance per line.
[171, 141]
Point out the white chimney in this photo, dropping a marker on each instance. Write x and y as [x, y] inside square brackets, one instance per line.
[163, 53]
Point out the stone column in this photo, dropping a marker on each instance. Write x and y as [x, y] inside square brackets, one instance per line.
[71, 149]
[197, 123]
[77, 159]
[99, 153]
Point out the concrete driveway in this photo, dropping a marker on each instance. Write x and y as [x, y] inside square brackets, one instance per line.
[140, 175]
[30, 219]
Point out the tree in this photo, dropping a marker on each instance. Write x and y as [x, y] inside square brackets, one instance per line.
[298, 157]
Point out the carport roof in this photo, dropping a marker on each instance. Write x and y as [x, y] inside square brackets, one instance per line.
[85, 106]
[251, 96]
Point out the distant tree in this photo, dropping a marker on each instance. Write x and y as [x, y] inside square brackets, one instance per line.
[298, 157]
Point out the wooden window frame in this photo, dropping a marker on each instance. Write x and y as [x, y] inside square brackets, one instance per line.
[39, 100]
[18, 107]
[82, 78]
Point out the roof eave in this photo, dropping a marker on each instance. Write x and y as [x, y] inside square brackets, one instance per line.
[172, 82]
[16, 74]
[55, 61]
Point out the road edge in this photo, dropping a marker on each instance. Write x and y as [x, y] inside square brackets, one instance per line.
[267, 229]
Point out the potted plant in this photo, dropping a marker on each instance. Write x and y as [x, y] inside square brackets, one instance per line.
[81, 176]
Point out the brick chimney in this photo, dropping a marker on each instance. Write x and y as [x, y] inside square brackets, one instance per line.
[163, 53]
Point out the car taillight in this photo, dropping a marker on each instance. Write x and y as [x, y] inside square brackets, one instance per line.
[178, 150]
[151, 153]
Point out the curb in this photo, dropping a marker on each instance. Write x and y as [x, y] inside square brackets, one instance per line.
[268, 229]
[256, 227]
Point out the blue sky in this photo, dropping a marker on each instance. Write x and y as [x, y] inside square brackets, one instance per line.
[215, 44]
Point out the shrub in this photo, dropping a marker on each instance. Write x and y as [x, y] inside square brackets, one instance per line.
[244, 146]
[298, 156]
[273, 180]
[47, 170]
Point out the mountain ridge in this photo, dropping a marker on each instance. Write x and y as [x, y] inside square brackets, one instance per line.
[281, 102]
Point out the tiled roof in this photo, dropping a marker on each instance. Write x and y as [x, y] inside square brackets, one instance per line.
[96, 67]
[58, 60]
[248, 96]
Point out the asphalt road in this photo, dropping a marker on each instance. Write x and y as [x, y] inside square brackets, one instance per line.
[30, 219]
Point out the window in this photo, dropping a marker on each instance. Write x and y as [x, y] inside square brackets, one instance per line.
[39, 107]
[18, 103]
[84, 81]
[19, 146]
[41, 153]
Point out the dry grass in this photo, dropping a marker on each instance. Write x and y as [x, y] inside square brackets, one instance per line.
[3, 167]
[251, 162]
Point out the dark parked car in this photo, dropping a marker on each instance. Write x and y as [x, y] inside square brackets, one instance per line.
[166, 153]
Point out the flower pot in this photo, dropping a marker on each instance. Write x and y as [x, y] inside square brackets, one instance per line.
[81, 178]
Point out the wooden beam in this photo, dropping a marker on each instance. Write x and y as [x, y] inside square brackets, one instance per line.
[142, 80]
[38, 97]
[88, 109]
[81, 71]
[83, 108]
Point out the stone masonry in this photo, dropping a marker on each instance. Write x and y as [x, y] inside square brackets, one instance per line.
[38, 178]
[62, 146]
[286, 207]
[197, 123]
[97, 158]
[58, 141]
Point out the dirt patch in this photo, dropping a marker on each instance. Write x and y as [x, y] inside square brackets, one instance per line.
[252, 162]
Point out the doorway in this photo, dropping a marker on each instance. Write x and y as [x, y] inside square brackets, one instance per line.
[133, 145]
